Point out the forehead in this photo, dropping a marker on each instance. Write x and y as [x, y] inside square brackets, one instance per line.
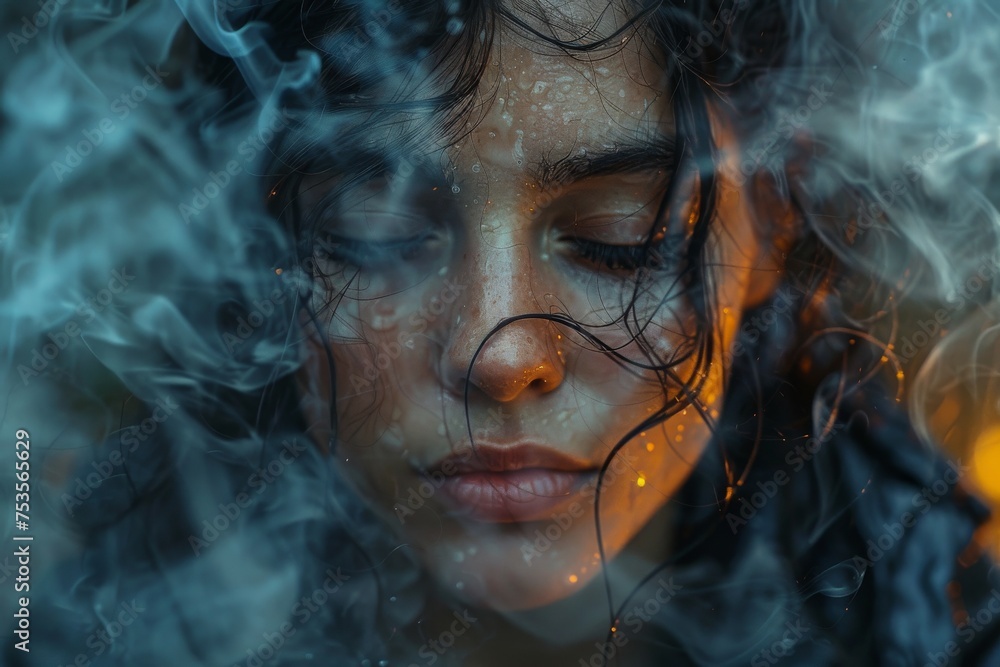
[538, 104]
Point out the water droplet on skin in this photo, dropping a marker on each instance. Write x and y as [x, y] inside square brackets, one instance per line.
[459, 556]
[493, 135]
[455, 189]
[443, 271]
[441, 430]
[392, 598]
[460, 585]
[545, 256]
[476, 168]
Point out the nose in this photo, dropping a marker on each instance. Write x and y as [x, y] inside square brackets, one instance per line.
[496, 346]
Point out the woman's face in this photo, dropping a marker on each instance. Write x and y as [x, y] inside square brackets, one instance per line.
[553, 187]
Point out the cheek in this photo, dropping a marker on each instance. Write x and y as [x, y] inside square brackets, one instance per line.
[648, 472]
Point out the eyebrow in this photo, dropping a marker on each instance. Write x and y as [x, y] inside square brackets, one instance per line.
[628, 158]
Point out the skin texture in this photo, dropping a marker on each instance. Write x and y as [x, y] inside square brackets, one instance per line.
[405, 335]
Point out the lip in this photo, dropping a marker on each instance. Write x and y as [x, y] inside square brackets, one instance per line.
[509, 484]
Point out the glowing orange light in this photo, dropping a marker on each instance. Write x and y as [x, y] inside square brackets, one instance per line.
[572, 579]
[640, 482]
[650, 446]
[986, 462]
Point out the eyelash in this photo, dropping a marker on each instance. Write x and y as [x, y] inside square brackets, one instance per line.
[657, 256]
[373, 255]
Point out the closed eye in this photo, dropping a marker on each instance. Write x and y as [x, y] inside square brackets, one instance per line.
[367, 254]
[661, 255]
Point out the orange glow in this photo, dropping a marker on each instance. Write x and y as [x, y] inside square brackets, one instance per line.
[986, 462]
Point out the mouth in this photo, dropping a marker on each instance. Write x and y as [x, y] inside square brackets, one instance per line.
[509, 484]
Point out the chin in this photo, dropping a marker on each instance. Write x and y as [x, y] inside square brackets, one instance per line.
[503, 570]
